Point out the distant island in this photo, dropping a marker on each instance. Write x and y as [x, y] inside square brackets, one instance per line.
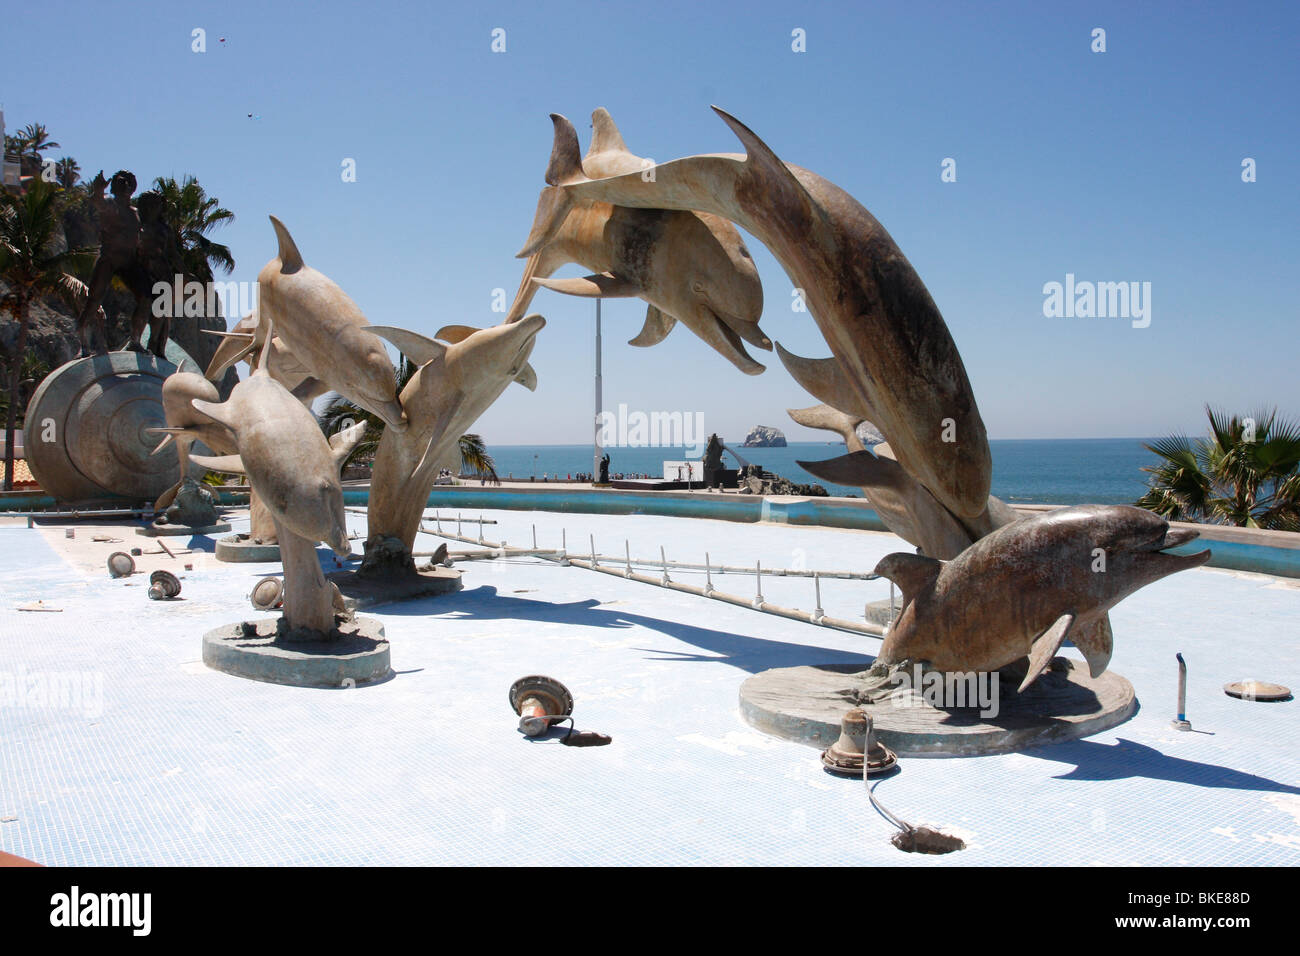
[764, 436]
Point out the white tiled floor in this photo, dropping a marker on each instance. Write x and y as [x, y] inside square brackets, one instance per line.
[177, 764]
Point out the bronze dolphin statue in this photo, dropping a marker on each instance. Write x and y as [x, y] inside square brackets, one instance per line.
[1027, 587]
[893, 362]
[689, 267]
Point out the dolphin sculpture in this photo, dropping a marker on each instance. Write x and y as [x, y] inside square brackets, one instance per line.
[906, 506]
[893, 360]
[326, 331]
[456, 381]
[295, 472]
[689, 267]
[1027, 587]
[246, 341]
[186, 425]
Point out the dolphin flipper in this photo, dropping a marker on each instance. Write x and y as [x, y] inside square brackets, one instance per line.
[342, 442]
[234, 347]
[825, 379]
[1045, 647]
[420, 349]
[217, 411]
[527, 377]
[599, 286]
[229, 464]
[1095, 641]
[858, 469]
[657, 326]
[832, 420]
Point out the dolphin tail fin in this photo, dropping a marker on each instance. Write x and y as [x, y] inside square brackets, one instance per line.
[455, 333]
[553, 207]
[657, 326]
[832, 420]
[341, 443]
[565, 167]
[234, 346]
[911, 572]
[168, 496]
[1095, 641]
[605, 137]
[290, 257]
[1045, 647]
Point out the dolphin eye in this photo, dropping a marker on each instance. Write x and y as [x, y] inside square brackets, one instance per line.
[697, 287]
[745, 252]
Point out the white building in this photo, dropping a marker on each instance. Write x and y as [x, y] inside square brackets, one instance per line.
[11, 170]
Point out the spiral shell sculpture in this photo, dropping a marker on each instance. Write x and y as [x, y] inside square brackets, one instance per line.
[86, 431]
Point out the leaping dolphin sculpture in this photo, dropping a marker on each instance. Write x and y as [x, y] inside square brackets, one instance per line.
[295, 472]
[326, 331]
[689, 267]
[186, 425]
[905, 506]
[457, 380]
[893, 362]
[1027, 587]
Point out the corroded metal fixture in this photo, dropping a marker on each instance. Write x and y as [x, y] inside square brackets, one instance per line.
[1181, 722]
[268, 594]
[120, 564]
[1257, 690]
[858, 744]
[163, 586]
[540, 703]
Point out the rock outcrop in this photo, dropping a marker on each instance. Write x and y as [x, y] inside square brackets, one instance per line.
[764, 436]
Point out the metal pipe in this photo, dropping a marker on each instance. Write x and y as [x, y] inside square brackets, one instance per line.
[1181, 722]
[853, 627]
[758, 598]
[818, 613]
[745, 569]
[664, 560]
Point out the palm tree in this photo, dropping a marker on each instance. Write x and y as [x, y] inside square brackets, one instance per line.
[67, 171]
[1246, 472]
[341, 413]
[193, 214]
[29, 226]
[35, 140]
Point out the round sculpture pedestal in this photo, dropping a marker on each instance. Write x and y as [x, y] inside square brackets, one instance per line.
[240, 548]
[805, 705]
[359, 656]
[164, 530]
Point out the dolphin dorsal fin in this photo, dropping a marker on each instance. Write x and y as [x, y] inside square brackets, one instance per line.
[420, 349]
[290, 257]
[565, 167]
[913, 573]
[605, 137]
[1045, 647]
[772, 171]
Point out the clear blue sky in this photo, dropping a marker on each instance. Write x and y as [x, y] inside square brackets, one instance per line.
[1115, 166]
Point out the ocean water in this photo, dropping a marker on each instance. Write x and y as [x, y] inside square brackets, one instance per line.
[1043, 471]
